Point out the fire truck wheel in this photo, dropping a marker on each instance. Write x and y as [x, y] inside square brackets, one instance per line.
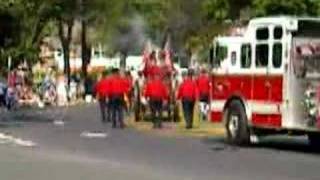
[236, 124]
[314, 140]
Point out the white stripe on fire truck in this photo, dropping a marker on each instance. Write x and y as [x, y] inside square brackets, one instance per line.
[217, 105]
[257, 107]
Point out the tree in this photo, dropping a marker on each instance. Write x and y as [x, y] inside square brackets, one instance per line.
[285, 7]
[191, 24]
[22, 24]
[63, 12]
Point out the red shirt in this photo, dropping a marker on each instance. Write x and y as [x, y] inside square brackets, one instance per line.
[102, 88]
[203, 83]
[12, 79]
[118, 86]
[128, 83]
[156, 89]
[152, 70]
[188, 90]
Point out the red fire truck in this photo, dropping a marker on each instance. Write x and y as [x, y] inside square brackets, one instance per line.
[267, 80]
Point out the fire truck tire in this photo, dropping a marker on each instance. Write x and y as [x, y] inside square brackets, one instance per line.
[236, 124]
[314, 140]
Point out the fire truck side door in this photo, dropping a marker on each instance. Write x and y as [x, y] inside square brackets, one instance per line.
[275, 76]
[268, 79]
[262, 86]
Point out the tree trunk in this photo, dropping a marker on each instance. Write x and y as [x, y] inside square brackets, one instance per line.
[85, 56]
[65, 41]
[85, 50]
[189, 57]
[123, 60]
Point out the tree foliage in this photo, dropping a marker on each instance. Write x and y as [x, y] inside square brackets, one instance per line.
[286, 7]
[123, 25]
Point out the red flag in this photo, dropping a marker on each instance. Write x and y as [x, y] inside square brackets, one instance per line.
[146, 57]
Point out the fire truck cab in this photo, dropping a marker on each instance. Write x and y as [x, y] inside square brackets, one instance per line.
[268, 79]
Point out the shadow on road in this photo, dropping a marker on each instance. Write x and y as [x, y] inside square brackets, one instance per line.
[278, 143]
[218, 144]
[30, 115]
[292, 144]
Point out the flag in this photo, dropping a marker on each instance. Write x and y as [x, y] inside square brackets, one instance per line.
[168, 55]
[146, 52]
[146, 56]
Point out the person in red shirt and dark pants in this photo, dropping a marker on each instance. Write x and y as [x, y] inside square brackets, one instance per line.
[129, 89]
[188, 94]
[203, 83]
[157, 93]
[100, 90]
[118, 89]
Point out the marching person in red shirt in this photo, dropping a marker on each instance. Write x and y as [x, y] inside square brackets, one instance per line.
[203, 83]
[116, 93]
[129, 89]
[101, 90]
[188, 94]
[157, 93]
[151, 67]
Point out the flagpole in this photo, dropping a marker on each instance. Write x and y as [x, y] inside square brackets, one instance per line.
[9, 66]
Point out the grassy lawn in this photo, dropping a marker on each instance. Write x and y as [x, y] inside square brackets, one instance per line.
[201, 128]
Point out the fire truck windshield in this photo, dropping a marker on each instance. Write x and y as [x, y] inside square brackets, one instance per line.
[306, 62]
[221, 53]
[307, 48]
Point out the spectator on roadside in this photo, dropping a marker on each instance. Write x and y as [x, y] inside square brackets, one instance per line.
[62, 99]
[3, 88]
[12, 78]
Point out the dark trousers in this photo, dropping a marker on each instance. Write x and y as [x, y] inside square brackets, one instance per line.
[2, 100]
[188, 108]
[103, 106]
[204, 103]
[156, 112]
[116, 105]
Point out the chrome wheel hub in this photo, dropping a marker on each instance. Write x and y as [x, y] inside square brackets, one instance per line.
[233, 125]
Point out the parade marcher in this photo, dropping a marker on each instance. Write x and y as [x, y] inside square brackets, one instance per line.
[101, 91]
[188, 94]
[157, 93]
[203, 83]
[139, 82]
[116, 94]
[129, 89]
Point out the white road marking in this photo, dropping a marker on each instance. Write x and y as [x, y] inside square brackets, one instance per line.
[87, 134]
[8, 139]
[59, 123]
[24, 143]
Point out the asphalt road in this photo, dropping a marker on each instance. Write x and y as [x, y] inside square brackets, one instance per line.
[61, 153]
